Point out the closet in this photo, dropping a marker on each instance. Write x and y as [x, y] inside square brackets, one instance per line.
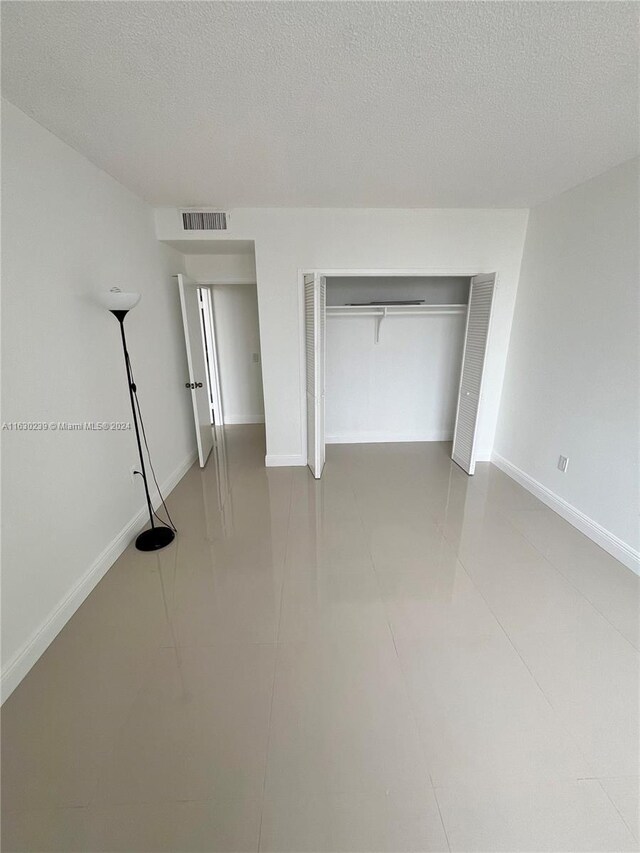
[395, 358]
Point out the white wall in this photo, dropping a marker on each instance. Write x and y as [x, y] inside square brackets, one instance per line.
[573, 371]
[68, 232]
[403, 388]
[227, 268]
[344, 290]
[290, 240]
[235, 307]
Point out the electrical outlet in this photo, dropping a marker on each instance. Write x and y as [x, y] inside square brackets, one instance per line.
[563, 464]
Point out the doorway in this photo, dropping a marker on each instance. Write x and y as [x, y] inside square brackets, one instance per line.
[236, 329]
[395, 356]
[227, 355]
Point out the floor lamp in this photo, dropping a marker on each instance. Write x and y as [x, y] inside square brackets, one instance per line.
[120, 303]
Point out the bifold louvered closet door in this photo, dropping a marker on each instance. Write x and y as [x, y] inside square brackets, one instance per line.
[314, 310]
[475, 348]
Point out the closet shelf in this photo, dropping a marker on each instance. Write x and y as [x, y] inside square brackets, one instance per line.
[380, 312]
[396, 309]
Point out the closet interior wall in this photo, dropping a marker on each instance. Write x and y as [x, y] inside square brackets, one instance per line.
[392, 374]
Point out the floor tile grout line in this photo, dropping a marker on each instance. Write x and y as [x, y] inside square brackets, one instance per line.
[615, 776]
[402, 672]
[557, 568]
[608, 796]
[556, 714]
[377, 569]
[419, 736]
[444, 828]
[285, 558]
[553, 565]
[275, 666]
[150, 662]
[371, 558]
[505, 517]
[103, 766]
[573, 529]
[268, 744]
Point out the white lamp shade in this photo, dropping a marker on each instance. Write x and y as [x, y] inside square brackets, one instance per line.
[119, 300]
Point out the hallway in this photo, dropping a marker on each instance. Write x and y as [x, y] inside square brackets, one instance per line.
[395, 658]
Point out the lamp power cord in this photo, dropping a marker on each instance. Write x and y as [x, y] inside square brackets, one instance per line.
[134, 389]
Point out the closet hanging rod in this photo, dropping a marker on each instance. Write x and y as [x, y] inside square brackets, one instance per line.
[381, 312]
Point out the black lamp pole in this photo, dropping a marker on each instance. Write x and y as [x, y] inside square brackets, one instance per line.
[158, 536]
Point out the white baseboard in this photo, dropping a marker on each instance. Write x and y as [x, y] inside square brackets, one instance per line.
[244, 419]
[276, 460]
[596, 532]
[385, 437]
[36, 645]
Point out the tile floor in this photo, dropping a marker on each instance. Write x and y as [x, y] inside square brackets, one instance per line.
[396, 658]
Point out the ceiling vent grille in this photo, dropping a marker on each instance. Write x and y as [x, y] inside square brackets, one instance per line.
[205, 220]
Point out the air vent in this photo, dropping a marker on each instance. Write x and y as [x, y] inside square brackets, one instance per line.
[204, 220]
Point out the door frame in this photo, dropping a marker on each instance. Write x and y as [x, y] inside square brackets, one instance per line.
[329, 272]
[210, 284]
[211, 354]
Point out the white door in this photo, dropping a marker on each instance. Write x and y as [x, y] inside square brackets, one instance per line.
[314, 311]
[197, 384]
[473, 359]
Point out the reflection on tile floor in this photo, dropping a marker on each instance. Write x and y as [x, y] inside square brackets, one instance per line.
[396, 658]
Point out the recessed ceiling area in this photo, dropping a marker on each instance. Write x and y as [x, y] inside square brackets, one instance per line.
[331, 104]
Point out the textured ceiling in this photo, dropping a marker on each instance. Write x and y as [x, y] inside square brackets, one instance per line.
[433, 104]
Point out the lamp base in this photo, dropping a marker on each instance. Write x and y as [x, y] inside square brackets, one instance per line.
[155, 538]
